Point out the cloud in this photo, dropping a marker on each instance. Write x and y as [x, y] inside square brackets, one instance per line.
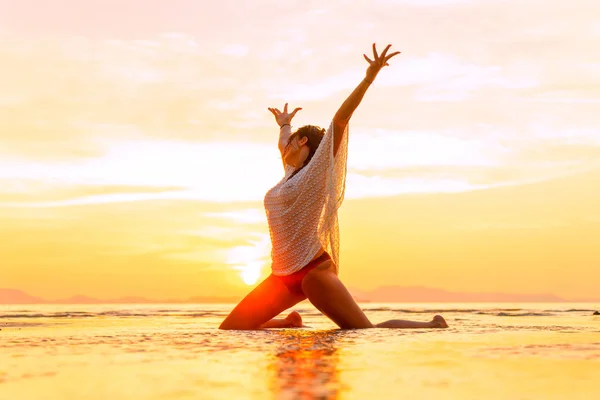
[210, 171]
[446, 77]
[255, 250]
[427, 3]
[445, 161]
[515, 226]
[380, 149]
[245, 216]
[441, 76]
[235, 50]
[219, 171]
[166, 109]
[320, 90]
[32, 191]
[360, 186]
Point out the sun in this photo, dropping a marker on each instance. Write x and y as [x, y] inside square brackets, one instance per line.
[250, 273]
[250, 259]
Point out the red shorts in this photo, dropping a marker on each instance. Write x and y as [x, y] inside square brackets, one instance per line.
[294, 281]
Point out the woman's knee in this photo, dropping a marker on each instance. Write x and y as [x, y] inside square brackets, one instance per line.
[329, 295]
[232, 324]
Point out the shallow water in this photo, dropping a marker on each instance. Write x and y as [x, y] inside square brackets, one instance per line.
[167, 351]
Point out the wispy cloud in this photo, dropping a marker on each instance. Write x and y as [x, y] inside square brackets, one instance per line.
[245, 216]
[161, 170]
[235, 50]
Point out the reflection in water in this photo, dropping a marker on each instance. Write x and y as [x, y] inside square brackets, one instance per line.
[305, 365]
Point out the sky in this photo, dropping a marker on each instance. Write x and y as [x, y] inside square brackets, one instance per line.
[136, 145]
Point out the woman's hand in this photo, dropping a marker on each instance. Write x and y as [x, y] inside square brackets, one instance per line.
[284, 117]
[379, 62]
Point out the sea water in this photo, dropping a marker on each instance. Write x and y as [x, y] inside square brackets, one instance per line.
[175, 351]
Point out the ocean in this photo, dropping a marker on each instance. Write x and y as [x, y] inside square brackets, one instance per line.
[175, 351]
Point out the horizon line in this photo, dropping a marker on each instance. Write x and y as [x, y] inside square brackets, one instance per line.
[21, 297]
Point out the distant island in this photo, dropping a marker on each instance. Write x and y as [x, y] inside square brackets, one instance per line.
[388, 294]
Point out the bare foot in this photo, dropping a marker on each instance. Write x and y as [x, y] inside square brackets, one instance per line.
[294, 319]
[439, 322]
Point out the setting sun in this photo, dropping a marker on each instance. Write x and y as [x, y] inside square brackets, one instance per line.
[251, 273]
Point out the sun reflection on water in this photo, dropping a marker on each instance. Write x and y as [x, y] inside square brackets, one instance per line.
[305, 365]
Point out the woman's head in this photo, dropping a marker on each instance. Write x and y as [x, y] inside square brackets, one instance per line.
[302, 145]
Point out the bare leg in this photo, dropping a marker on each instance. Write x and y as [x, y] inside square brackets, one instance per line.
[329, 295]
[294, 320]
[437, 322]
[270, 298]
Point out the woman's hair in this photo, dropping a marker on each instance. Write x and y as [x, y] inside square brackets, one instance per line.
[314, 134]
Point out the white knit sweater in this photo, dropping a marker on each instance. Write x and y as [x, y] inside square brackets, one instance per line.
[302, 211]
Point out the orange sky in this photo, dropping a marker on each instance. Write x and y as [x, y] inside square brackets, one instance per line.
[136, 145]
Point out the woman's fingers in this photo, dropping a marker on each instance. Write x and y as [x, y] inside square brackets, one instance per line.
[295, 111]
[391, 55]
[385, 51]
[368, 59]
[375, 52]
[277, 113]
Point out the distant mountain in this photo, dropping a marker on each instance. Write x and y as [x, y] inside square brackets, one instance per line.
[14, 296]
[388, 294]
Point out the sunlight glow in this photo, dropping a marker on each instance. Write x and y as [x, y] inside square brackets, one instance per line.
[250, 258]
[250, 273]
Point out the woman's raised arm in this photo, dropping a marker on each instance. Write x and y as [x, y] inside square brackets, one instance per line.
[342, 116]
[284, 120]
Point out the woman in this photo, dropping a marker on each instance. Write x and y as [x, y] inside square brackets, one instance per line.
[302, 215]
